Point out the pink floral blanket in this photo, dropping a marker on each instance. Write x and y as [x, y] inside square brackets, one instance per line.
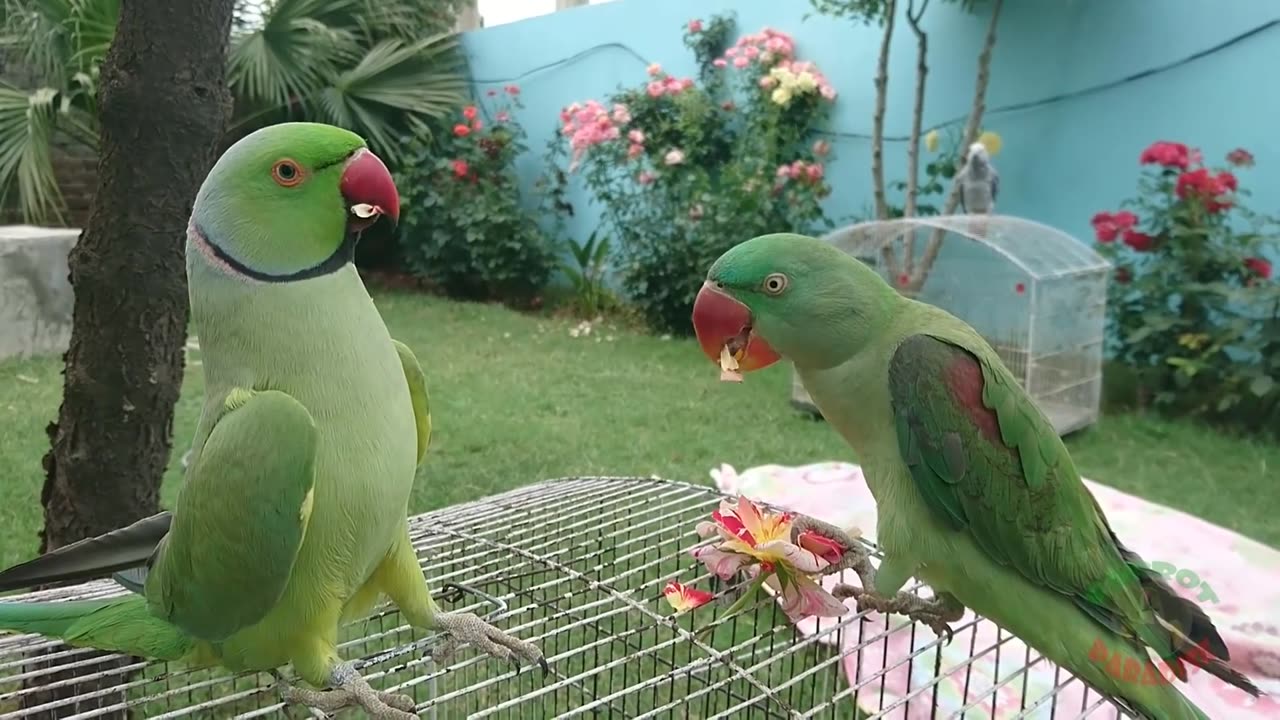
[1236, 579]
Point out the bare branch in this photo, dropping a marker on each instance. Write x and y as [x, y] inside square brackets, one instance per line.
[877, 130]
[934, 246]
[917, 119]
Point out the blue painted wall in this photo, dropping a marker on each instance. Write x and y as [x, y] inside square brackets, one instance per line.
[1062, 160]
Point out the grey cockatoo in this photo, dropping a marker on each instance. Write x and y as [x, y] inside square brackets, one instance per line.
[978, 181]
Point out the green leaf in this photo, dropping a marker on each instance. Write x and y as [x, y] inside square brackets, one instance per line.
[1262, 385]
[746, 599]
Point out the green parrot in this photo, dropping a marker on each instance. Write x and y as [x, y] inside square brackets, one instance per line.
[293, 514]
[976, 494]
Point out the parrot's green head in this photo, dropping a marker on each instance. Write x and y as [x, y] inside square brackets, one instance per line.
[289, 201]
[789, 296]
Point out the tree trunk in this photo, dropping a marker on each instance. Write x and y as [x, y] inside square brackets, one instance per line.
[163, 105]
[877, 129]
[971, 129]
[917, 120]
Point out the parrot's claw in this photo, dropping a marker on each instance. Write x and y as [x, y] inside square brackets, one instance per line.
[935, 613]
[465, 627]
[349, 689]
[855, 556]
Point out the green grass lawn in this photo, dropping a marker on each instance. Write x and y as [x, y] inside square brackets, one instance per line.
[516, 399]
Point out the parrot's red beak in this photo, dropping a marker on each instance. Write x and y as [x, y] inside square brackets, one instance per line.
[369, 190]
[720, 321]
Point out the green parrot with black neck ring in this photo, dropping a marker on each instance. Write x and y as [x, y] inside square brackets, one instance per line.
[293, 514]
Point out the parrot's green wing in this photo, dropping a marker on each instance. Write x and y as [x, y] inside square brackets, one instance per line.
[417, 394]
[989, 463]
[239, 520]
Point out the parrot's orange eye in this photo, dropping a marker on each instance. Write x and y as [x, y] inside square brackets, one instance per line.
[286, 173]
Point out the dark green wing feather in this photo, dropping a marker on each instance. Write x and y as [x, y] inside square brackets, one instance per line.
[239, 520]
[989, 463]
[417, 395]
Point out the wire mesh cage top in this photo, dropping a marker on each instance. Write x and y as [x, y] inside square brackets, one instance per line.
[1037, 294]
[577, 566]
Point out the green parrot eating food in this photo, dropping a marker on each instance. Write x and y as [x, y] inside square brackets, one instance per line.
[293, 514]
[976, 494]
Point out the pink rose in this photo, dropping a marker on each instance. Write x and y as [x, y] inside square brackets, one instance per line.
[654, 70]
[695, 26]
[655, 89]
[741, 62]
[636, 137]
[673, 157]
[719, 62]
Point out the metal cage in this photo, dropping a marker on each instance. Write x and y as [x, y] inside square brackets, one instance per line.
[1035, 293]
[577, 566]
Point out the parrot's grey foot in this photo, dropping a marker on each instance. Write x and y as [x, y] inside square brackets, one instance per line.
[464, 627]
[935, 613]
[349, 689]
[855, 556]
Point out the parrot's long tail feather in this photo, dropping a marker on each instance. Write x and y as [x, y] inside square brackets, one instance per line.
[1192, 634]
[122, 625]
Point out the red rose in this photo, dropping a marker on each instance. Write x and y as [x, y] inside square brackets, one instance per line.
[460, 168]
[512, 89]
[1108, 226]
[1259, 266]
[1020, 288]
[1240, 158]
[1141, 242]
[1123, 276]
[461, 130]
[1166, 154]
[1207, 187]
[469, 112]
[1124, 219]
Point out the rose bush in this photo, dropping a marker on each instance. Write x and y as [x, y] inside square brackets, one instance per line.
[466, 232]
[685, 168]
[1193, 306]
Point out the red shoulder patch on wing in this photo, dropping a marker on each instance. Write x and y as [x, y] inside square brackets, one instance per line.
[964, 378]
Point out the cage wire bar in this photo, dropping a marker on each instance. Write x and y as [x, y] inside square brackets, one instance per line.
[576, 565]
[1035, 293]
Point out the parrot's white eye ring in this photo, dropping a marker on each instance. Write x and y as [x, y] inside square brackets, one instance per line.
[775, 283]
[286, 173]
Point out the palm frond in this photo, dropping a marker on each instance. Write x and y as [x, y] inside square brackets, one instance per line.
[298, 47]
[394, 88]
[27, 122]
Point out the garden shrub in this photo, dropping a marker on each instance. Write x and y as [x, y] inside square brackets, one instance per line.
[1193, 308]
[465, 231]
[684, 169]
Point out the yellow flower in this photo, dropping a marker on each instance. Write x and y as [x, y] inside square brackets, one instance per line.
[931, 141]
[991, 140]
[806, 82]
[1193, 341]
[781, 96]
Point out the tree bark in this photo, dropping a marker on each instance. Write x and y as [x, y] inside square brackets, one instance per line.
[917, 120]
[877, 129]
[971, 128]
[163, 106]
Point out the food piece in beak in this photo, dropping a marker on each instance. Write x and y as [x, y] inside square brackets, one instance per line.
[729, 366]
[365, 210]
